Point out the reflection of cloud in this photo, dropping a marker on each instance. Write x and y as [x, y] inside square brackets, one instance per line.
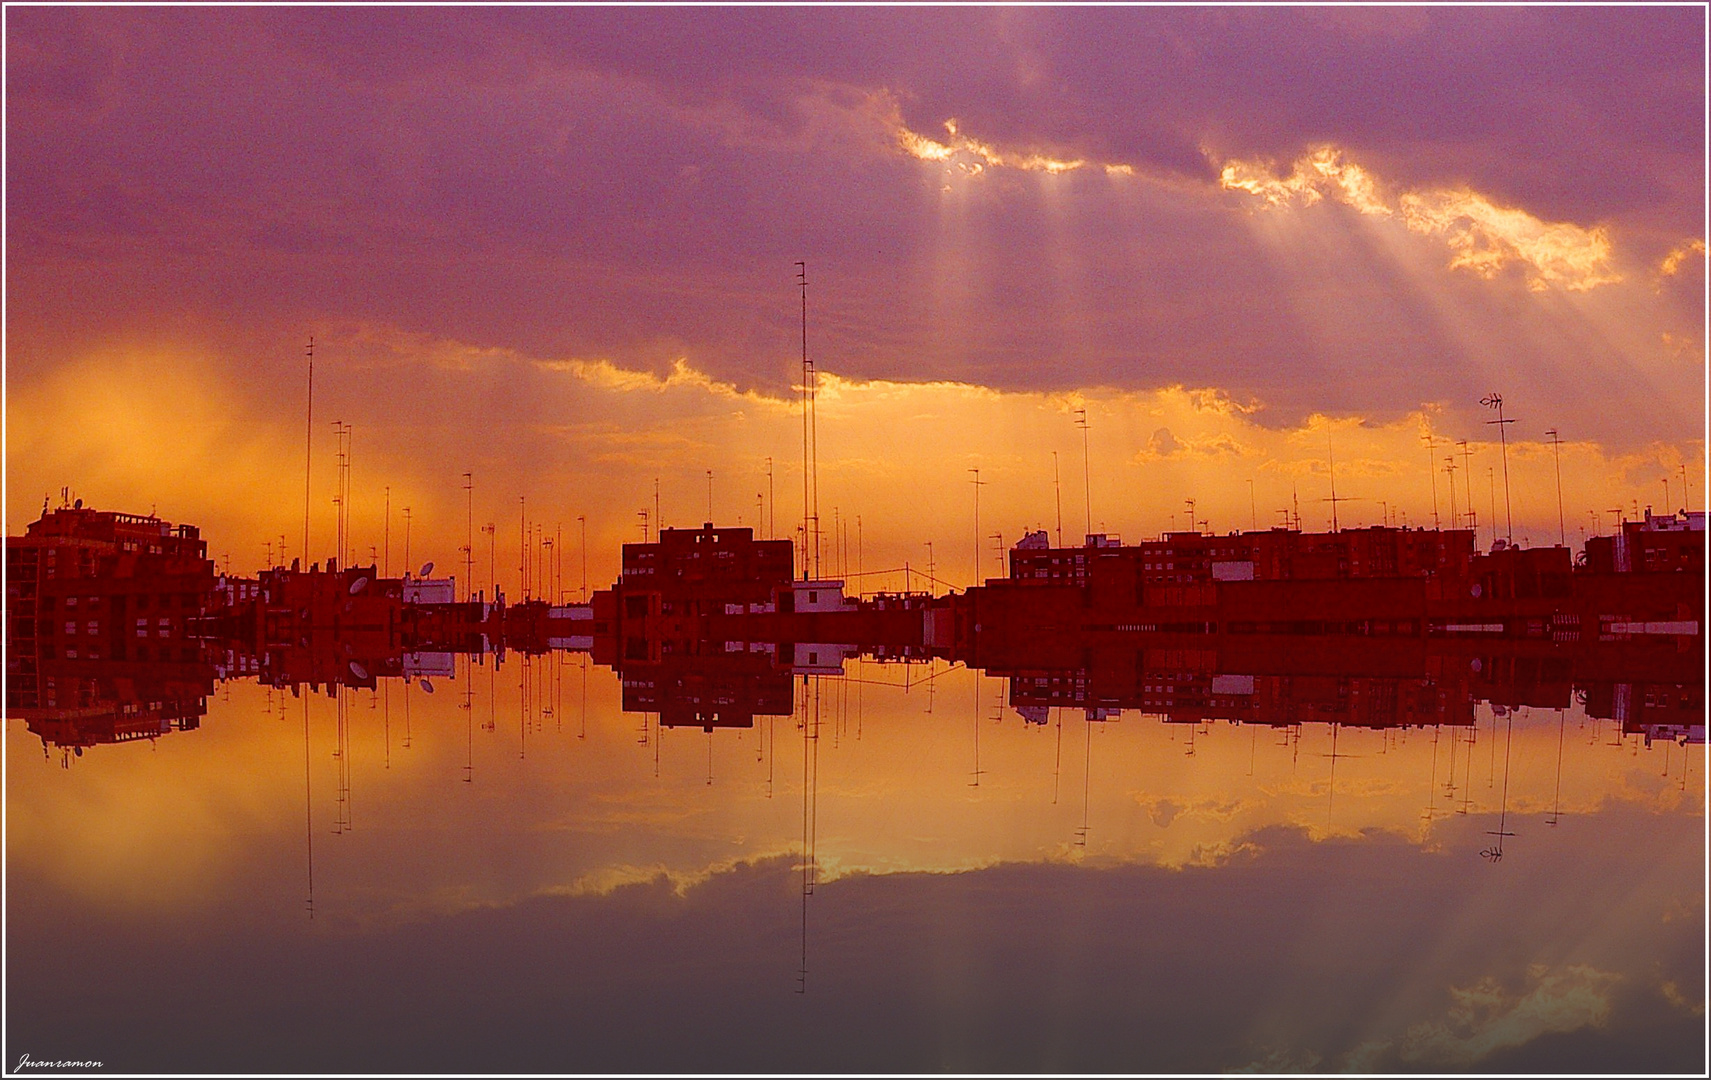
[1483, 236]
[1484, 1017]
[1282, 1061]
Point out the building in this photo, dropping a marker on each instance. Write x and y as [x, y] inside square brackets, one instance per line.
[97, 585]
[1656, 544]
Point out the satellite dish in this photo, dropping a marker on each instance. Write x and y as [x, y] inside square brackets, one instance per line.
[427, 687]
[427, 568]
[359, 585]
[358, 670]
[78, 505]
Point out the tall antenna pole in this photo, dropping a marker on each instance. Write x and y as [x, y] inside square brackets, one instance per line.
[1494, 400]
[1253, 509]
[1450, 468]
[386, 538]
[1467, 485]
[1556, 448]
[1431, 445]
[468, 536]
[308, 447]
[1331, 451]
[523, 547]
[709, 496]
[1057, 489]
[583, 521]
[1686, 503]
[810, 512]
[771, 501]
[1086, 470]
[977, 482]
[657, 519]
[406, 541]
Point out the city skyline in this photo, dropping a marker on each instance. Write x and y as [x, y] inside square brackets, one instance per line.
[554, 249]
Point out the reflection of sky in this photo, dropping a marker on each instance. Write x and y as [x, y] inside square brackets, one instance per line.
[1228, 907]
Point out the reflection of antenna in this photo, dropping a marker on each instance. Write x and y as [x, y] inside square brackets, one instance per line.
[1086, 780]
[308, 807]
[1556, 801]
[1494, 853]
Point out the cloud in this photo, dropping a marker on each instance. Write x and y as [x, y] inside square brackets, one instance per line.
[1483, 237]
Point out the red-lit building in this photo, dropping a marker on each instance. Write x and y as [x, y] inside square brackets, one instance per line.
[1656, 544]
[705, 571]
[1193, 558]
[96, 585]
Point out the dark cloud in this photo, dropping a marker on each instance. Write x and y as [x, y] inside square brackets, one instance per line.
[636, 184]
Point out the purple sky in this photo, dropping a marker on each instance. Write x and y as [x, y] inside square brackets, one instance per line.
[634, 185]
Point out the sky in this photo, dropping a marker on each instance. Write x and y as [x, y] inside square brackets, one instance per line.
[556, 248]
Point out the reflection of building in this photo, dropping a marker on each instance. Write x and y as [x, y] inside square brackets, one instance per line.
[709, 690]
[73, 704]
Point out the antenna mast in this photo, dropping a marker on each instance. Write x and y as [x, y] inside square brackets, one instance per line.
[1556, 448]
[308, 449]
[1057, 488]
[1086, 470]
[1494, 400]
[810, 442]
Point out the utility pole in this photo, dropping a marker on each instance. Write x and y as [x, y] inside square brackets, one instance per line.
[1494, 400]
